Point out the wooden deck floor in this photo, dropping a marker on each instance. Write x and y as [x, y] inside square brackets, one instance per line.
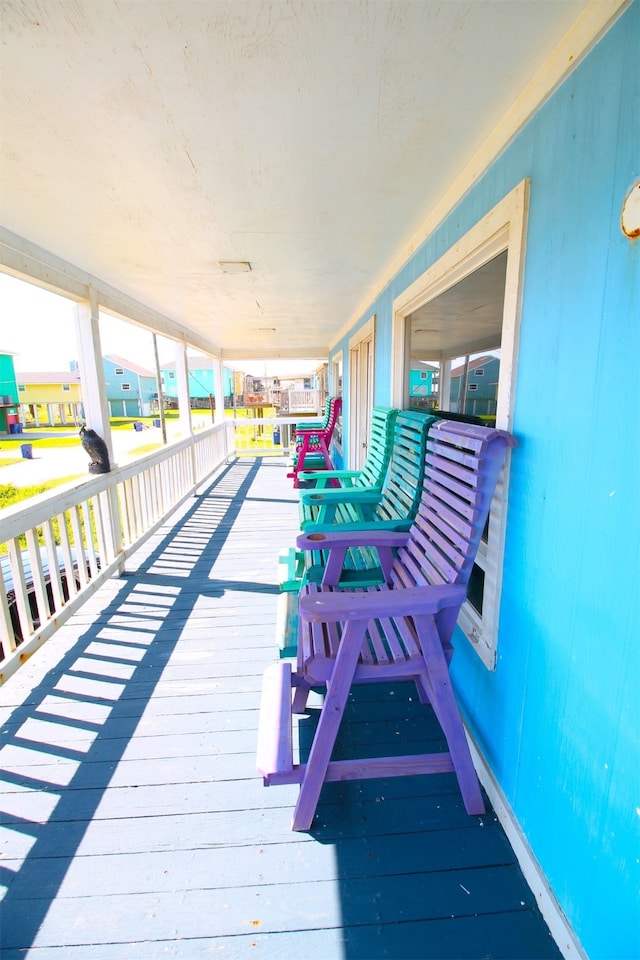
[134, 824]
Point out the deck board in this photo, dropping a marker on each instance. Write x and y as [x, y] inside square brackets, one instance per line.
[135, 824]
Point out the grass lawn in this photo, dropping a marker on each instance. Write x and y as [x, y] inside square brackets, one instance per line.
[10, 494]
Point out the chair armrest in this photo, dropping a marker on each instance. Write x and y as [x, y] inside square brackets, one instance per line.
[347, 537]
[344, 495]
[373, 526]
[366, 605]
[323, 476]
[338, 543]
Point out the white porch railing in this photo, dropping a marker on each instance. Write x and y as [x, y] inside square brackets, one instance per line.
[263, 435]
[61, 546]
[301, 401]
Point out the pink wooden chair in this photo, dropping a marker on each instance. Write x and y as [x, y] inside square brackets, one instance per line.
[312, 445]
[399, 630]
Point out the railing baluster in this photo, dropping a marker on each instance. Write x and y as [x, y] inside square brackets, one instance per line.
[55, 579]
[20, 587]
[65, 546]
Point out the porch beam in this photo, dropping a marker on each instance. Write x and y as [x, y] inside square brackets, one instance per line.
[27, 261]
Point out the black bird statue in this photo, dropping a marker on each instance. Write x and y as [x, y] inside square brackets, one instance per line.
[97, 450]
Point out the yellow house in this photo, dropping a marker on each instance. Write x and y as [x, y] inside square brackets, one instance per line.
[50, 398]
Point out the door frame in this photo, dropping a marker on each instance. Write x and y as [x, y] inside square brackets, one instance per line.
[361, 384]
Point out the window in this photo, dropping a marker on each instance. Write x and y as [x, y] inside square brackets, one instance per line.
[21, 387]
[467, 305]
[172, 375]
[423, 375]
[119, 372]
[125, 386]
[66, 388]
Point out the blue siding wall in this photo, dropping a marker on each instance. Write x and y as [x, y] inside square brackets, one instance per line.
[559, 719]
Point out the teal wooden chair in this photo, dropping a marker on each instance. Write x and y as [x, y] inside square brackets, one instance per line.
[374, 470]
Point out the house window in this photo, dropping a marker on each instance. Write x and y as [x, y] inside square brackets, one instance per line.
[172, 375]
[423, 375]
[119, 372]
[479, 372]
[467, 302]
[125, 386]
[21, 387]
[66, 388]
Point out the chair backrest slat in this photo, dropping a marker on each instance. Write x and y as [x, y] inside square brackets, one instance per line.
[403, 486]
[379, 448]
[462, 467]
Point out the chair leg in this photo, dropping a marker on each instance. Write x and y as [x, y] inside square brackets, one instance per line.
[338, 688]
[438, 687]
[300, 697]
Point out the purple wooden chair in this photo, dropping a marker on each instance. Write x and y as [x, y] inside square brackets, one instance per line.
[399, 630]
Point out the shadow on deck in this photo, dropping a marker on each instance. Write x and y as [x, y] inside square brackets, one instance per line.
[134, 824]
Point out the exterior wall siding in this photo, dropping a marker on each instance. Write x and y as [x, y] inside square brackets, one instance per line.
[558, 719]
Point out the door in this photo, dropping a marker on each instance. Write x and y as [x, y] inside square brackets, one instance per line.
[361, 376]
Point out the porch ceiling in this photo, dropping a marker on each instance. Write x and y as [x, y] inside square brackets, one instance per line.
[146, 141]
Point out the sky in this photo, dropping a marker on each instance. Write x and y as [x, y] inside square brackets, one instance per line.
[38, 327]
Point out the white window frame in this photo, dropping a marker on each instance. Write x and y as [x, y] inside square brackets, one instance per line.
[125, 386]
[118, 371]
[503, 228]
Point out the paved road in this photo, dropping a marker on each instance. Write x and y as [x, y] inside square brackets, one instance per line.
[70, 461]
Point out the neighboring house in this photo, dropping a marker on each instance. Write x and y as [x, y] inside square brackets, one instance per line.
[423, 382]
[201, 381]
[50, 398]
[8, 393]
[546, 658]
[130, 389]
[474, 387]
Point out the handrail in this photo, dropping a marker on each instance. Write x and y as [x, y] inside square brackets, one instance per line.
[62, 545]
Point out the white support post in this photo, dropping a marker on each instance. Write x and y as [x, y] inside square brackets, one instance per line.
[94, 394]
[182, 383]
[218, 389]
[444, 399]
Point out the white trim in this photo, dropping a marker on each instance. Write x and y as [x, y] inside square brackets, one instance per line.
[502, 228]
[554, 917]
[596, 19]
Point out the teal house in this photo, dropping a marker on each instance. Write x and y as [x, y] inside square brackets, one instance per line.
[201, 381]
[8, 393]
[423, 382]
[474, 386]
[130, 388]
